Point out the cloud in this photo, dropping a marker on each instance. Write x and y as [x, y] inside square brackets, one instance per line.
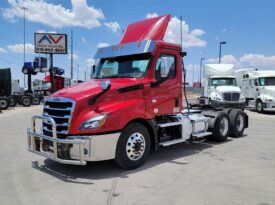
[43, 31]
[2, 50]
[83, 39]
[55, 15]
[90, 62]
[114, 26]
[258, 60]
[19, 48]
[190, 38]
[102, 45]
[225, 30]
[75, 56]
[151, 15]
[226, 59]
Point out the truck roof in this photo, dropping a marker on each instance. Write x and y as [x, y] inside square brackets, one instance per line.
[253, 73]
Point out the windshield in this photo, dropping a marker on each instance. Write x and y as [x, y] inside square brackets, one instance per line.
[268, 81]
[223, 81]
[134, 66]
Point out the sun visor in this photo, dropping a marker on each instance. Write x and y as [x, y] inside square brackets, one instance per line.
[150, 29]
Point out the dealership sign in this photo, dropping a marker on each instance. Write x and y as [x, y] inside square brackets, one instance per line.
[50, 43]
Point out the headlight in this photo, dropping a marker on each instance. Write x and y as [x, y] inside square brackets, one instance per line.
[218, 98]
[242, 98]
[94, 122]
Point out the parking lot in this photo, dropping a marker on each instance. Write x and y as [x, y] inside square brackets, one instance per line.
[238, 171]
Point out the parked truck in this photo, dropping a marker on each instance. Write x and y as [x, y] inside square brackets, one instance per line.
[258, 87]
[220, 87]
[132, 106]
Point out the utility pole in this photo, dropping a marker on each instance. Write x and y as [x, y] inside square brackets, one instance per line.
[24, 36]
[72, 61]
[201, 70]
[77, 73]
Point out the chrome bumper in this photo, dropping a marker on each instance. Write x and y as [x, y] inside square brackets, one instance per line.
[82, 148]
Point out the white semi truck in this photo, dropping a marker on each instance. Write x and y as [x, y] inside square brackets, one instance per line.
[220, 87]
[258, 87]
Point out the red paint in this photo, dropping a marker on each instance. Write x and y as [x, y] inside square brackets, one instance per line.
[150, 29]
[145, 103]
[55, 41]
[58, 82]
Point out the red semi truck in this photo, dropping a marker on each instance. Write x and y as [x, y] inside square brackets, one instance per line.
[134, 105]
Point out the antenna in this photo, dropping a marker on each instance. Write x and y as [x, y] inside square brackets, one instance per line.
[181, 32]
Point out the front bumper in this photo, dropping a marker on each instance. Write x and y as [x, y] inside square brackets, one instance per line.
[75, 150]
[269, 106]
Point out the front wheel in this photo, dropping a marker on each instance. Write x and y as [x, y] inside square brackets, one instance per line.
[259, 106]
[133, 146]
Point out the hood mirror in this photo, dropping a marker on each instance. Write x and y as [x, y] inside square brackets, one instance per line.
[105, 85]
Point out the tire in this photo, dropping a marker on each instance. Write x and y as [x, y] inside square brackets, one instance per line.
[220, 131]
[237, 122]
[133, 146]
[227, 110]
[36, 100]
[259, 106]
[26, 101]
[13, 101]
[4, 103]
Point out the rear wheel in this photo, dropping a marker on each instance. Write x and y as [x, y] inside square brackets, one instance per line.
[237, 123]
[4, 103]
[26, 101]
[13, 101]
[133, 146]
[221, 127]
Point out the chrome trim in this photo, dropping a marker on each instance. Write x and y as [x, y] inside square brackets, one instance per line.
[32, 135]
[59, 100]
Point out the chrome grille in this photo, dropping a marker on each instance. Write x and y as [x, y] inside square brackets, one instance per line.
[231, 96]
[60, 109]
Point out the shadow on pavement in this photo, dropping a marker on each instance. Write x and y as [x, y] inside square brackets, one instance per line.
[107, 169]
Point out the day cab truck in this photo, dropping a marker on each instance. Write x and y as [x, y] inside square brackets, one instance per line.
[258, 87]
[132, 106]
[220, 87]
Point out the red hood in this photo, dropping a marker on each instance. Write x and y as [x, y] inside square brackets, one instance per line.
[150, 29]
[92, 87]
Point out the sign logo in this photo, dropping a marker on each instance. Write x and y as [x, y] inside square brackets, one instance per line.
[50, 43]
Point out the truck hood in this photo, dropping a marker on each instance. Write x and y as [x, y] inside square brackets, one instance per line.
[269, 90]
[224, 89]
[92, 87]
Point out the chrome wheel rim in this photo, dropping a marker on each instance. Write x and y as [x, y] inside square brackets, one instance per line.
[135, 146]
[240, 123]
[224, 126]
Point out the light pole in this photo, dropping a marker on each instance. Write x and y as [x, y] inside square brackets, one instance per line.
[201, 70]
[220, 53]
[24, 10]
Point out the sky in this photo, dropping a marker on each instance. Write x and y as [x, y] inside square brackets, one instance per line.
[247, 26]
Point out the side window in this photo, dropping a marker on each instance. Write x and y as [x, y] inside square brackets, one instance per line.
[165, 67]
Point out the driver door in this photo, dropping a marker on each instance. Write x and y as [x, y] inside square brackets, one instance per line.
[166, 90]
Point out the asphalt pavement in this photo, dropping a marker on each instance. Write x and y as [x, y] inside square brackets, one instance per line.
[238, 171]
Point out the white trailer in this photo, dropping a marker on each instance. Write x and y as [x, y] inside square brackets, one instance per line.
[258, 87]
[220, 87]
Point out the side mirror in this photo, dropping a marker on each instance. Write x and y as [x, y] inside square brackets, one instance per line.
[93, 69]
[105, 85]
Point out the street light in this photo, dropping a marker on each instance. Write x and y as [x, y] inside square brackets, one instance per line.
[201, 70]
[220, 53]
[24, 10]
